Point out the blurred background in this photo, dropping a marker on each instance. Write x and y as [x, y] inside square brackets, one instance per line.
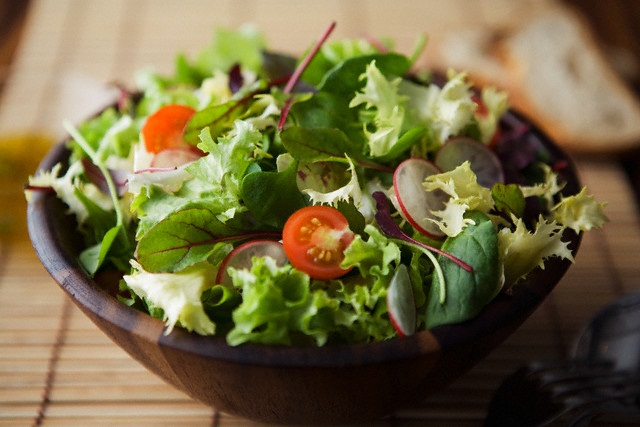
[59, 60]
[110, 42]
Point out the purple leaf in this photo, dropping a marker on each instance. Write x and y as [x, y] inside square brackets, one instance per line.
[299, 70]
[235, 78]
[94, 175]
[391, 229]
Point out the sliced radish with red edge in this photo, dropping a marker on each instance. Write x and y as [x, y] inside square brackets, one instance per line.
[174, 157]
[401, 302]
[242, 256]
[484, 162]
[415, 202]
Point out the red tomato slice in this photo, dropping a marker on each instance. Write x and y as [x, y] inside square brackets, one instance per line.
[314, 240]
[163, 129]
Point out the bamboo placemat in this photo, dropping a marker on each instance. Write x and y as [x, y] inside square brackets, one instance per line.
[57, 369]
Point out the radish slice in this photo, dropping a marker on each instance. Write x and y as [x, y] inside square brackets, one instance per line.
[173, 157]
[242, 257]
[415, 202]
[484, 162]
[401, 302]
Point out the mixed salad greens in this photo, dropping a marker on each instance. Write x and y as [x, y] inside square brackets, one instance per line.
[341, 197]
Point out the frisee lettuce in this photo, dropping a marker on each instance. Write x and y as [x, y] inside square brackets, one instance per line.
[178, 295]
[461, 184]
[381, 94]
[580, 212]
[522, 250]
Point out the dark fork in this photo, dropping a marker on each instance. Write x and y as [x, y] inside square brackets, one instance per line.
[602, 377]
[546, 391]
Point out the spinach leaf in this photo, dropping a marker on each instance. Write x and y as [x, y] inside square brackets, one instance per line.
[466, 293]
[94, 256]
[508, 199]
[272, 197]
[345, 77]
[329, 110]
[406, 141]
[99, 220]
[354, 217]
[276, 65]
[317, 144]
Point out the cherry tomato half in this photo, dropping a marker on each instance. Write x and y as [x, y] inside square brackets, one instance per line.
[314, 240]
[163, 129]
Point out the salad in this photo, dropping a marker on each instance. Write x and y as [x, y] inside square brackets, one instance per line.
[338, 197]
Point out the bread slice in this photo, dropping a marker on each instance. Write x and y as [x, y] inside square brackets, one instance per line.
[556, 73]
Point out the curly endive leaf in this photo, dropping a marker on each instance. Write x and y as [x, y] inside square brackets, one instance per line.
[522, 250]
[178, 295]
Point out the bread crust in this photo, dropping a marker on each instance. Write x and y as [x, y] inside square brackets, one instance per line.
[555, 72]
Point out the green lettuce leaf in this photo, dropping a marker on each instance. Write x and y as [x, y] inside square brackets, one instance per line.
[332, 53]
[330, 111]
[345, 76]
[362, 313]
[317, 144]
[508, 199]
[375, 256]
[282, 306]
[215, 183]
[242, 46]
[108, 134]
[93, 257]
[275, 302]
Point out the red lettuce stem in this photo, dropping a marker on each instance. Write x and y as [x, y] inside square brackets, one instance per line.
[305, 62]
[295, 77]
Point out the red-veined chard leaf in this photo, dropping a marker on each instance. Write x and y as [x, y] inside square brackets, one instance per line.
[217, 118]
[184, 238]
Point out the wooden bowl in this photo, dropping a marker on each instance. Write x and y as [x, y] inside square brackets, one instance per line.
[277, 384]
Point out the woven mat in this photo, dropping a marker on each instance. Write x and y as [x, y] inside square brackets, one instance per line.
[57, 369]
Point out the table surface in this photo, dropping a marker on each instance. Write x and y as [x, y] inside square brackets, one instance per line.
[57, 369]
